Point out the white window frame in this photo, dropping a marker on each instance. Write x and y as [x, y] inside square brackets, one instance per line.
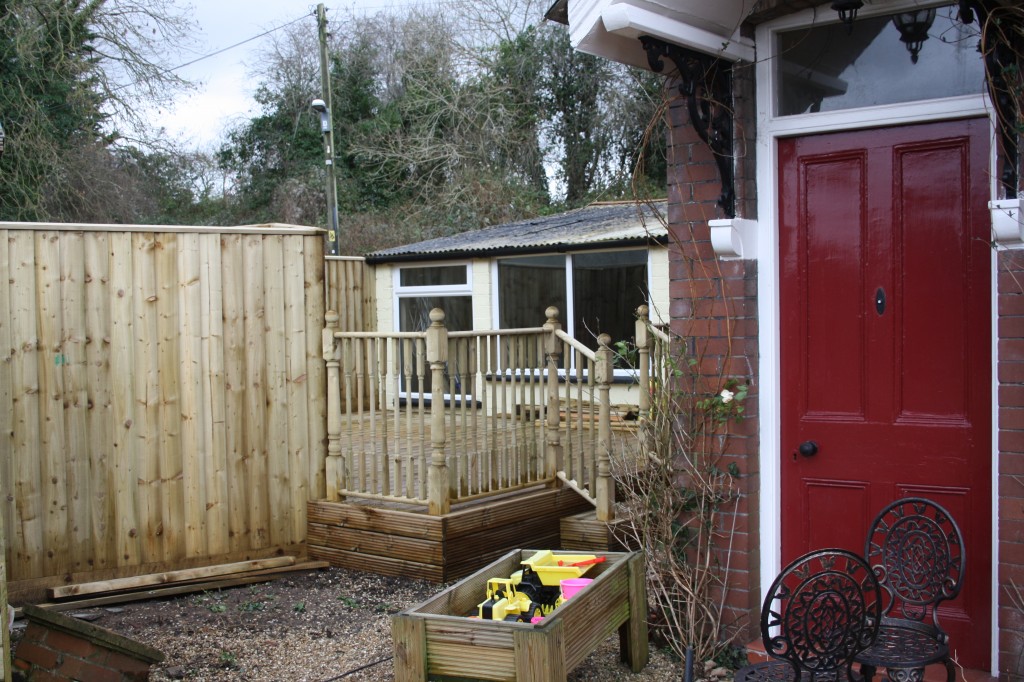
[568, 317]
[417, 291]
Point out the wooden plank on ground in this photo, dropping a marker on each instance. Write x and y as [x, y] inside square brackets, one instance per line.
[34, 590]
[184, 588]
[167, 577]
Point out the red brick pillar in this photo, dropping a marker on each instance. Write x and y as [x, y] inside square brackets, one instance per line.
[1011, 463]
[714, 311]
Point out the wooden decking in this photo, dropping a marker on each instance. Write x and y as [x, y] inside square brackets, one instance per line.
[397, 541]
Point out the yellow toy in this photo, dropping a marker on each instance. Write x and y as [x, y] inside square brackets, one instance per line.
[535, 590]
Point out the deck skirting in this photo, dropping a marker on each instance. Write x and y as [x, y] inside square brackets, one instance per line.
[386, 541]
[583, 532]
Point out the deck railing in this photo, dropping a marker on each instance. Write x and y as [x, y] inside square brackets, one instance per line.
[439, 417]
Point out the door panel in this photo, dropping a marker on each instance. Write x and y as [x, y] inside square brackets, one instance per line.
[886, 349]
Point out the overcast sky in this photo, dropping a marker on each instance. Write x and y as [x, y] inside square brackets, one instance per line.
[224, 93]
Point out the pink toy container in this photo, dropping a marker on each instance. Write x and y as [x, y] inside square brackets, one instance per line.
[571, 586]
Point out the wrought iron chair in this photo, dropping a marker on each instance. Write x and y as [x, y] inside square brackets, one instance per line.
[917, 553]
[821, 611]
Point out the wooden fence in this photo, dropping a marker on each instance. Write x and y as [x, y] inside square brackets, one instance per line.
[161, 395]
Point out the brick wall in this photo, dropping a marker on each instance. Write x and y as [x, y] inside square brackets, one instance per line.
[714, 309]
[1011, 464]
[56, 647]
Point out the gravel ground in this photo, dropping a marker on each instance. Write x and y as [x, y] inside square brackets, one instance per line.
[317, 626]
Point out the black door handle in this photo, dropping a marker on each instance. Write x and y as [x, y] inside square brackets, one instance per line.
[808, 448]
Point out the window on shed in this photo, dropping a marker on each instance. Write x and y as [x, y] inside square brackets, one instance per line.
[595, 292]
[607, 289]
[420, 289]
[527, 286]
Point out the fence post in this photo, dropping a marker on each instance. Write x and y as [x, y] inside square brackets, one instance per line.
[438, 499]
[332, 356]
[605, 487]
[553, 446]
[5, 668]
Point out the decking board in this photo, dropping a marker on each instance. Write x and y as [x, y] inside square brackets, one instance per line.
[437, 548]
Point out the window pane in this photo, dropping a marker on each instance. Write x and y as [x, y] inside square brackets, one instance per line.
[527, 287]
[829, 68]
[414, 313]
[414, 316]
[432, 276]
[607, 290]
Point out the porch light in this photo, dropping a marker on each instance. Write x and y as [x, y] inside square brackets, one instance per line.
[913, 28]
[847, 11]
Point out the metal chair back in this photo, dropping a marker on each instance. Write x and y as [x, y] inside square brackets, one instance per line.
[916, 551]
[821, 611]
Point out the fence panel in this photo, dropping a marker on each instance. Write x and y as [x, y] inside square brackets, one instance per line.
[162, 401]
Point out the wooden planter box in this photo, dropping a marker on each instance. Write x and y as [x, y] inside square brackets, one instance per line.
[435, 639]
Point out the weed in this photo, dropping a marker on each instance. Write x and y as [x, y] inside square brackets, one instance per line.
[217, 608]
[299, 607]
[348, 601]
[227, 660]
[250, 606]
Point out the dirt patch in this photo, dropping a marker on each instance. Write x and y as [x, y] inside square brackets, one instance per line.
[319, 626]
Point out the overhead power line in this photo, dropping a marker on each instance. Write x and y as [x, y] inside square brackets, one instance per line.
[238, 44]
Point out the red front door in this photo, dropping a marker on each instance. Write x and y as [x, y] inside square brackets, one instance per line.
[886, 342]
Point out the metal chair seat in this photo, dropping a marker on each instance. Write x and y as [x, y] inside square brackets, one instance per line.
[912, 647]
[916, 551]
[823, 609]
[775, 671]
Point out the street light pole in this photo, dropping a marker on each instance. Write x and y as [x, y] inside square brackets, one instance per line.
[323, 107]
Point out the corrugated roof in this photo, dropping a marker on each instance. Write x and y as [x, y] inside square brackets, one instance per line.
[594, 226]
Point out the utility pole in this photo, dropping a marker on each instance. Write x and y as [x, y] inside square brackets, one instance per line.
[323, 107]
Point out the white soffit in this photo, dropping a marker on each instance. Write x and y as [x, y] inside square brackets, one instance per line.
[611, 28]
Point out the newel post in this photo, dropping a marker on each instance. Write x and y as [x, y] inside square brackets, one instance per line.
[553, 351]
[332, 356]
[438, 501]
[643, 345]
[605, 485]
